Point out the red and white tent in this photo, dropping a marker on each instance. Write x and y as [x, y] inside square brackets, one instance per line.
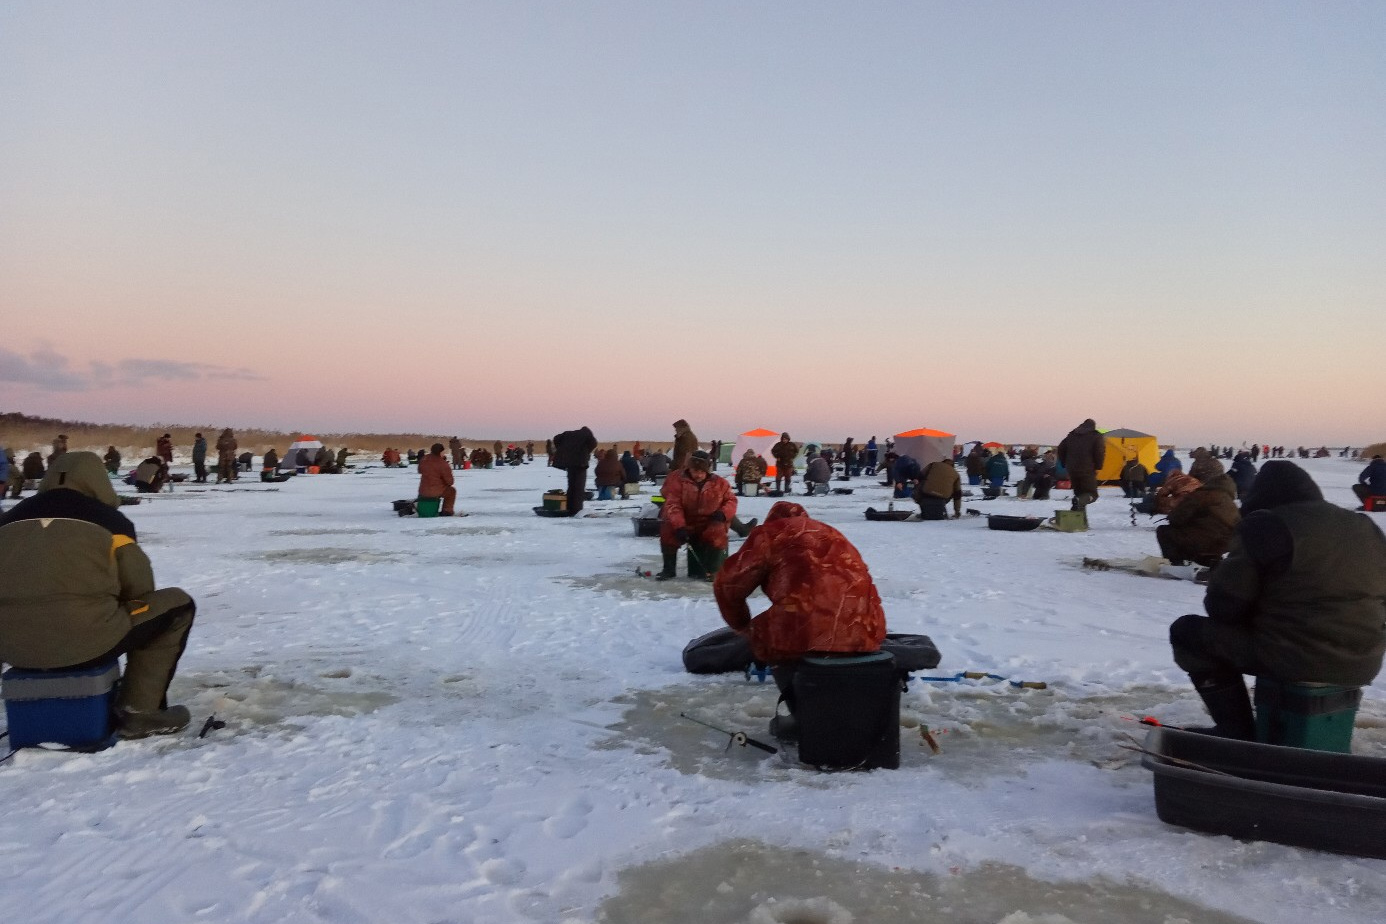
[925, 445]
[759, 440]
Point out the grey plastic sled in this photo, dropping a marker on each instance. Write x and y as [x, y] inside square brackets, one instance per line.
[1316, 799]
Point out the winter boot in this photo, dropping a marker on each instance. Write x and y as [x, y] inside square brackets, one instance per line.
[671, 560]
[132, 724]
[1229, 706]
[743, 529]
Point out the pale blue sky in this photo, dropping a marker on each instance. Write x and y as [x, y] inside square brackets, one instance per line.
[995, 218]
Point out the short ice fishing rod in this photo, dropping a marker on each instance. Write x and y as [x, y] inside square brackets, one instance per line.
[981, 675]
[740, 738]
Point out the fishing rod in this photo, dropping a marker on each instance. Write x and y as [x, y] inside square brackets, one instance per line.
[740, 738]
[981, 675]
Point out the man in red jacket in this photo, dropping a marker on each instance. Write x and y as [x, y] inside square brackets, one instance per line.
[698, 506]
[822, 598]
[435, 479]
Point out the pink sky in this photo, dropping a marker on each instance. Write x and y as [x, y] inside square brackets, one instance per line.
[479, 220]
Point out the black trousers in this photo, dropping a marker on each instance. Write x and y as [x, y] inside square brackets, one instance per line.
[577, 489]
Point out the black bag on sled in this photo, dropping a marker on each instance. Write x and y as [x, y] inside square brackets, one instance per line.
[912, 652]
[720, 651]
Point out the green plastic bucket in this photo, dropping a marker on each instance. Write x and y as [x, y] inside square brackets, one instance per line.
[428, 506]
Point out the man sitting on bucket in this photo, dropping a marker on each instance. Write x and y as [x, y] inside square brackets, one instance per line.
[77, 592]
[1301, 597]
[698, 508]
[822, 598]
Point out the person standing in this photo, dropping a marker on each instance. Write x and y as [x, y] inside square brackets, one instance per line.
[1082, 453]
[226, 456]
[684, 444]
[458, 455]
[59, 447]
[112, 460]
[572, 452]
[785, 452]
[698, 508]
[199, 459]
[435, 480]
[163, 448]
[872, 455]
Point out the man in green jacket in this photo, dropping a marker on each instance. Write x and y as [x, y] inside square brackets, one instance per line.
[1301, 597]
[76, 591]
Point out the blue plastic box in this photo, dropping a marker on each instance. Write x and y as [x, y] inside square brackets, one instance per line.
[71, 708]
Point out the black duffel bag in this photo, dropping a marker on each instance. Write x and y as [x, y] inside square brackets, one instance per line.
[912, 652]
[720, 651]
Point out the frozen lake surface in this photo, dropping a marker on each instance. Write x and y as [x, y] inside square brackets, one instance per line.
[476, 720]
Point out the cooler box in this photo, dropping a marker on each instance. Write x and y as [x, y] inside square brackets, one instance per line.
[428, 506]
[848, 709]
[1071, 521]
[555, 500]
[1317, 716]
[72, 708]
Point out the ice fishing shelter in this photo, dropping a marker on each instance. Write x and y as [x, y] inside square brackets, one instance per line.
[310, 443]
[1122, 444]
[760, 440]
[925, 445]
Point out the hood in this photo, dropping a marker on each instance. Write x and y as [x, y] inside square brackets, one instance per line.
[783, 510]
[1087, 426]
[1278, 483]
[1221, 483]
[1169, 454]
[82, 472]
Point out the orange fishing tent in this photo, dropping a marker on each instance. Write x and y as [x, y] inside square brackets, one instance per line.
[759, 440]
[924, 445]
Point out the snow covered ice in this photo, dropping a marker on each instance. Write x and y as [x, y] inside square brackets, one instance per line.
[476, 720]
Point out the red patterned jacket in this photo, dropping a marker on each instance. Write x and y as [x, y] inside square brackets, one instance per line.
[821, 593]
[690, 505]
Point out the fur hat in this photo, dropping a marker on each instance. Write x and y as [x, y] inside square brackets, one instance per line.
[700, 458]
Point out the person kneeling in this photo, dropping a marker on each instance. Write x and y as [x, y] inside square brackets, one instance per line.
[938, 484]
[1201, 528]
[79, 592]
[1299, 598]
[822, 598]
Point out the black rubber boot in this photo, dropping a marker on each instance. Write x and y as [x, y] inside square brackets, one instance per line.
[743, 529]
[671, 561]
[1229, 707]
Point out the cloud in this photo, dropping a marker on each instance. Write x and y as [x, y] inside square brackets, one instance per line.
[46, 369]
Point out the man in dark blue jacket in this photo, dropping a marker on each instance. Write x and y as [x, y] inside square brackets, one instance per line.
[1372, 481]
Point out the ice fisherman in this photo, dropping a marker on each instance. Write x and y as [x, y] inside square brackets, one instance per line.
[938, 484]
[79, 591]
[1082, 453]
[698, 509]
[823, 601]
[1301, 597]
[1372, 481]
[572, 451]
[435, 480]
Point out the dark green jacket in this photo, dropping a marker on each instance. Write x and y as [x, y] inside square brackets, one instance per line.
[71, 572]
[1307, 579]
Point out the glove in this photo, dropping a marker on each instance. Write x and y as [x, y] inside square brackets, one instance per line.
[681, 535]
[718, 517]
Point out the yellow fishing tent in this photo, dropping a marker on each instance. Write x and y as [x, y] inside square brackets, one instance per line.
[1122, 444]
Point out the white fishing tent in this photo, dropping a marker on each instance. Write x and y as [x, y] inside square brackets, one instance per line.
[759, 441]
[924, 445]
[288, 460]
